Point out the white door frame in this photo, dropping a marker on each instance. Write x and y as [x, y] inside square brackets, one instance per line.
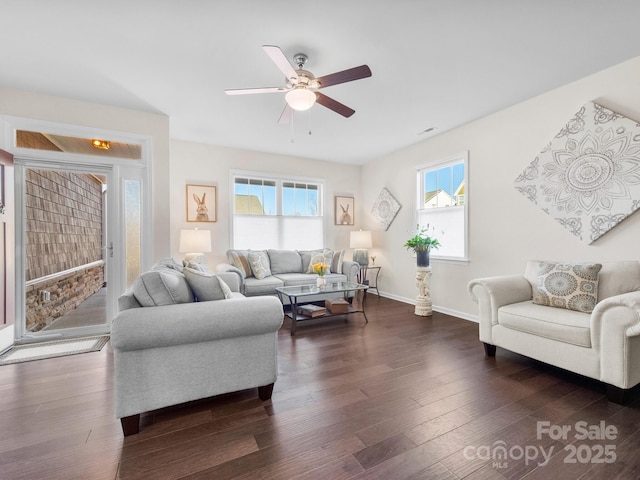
[117, 169]
[21, 334]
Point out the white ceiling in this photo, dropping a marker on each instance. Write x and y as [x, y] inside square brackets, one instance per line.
[435, 63]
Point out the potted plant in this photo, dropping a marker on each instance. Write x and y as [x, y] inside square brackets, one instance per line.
[422, 243]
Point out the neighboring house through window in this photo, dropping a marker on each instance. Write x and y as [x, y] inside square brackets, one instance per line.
[278, 213]
[442, 205]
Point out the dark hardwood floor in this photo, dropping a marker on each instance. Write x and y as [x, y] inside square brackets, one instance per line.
[403, 397]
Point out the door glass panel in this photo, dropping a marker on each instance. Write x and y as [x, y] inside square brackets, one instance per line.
[64, 264]
[132, 214]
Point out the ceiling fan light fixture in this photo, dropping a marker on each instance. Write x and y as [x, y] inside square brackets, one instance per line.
[300, 99]
[301, 85]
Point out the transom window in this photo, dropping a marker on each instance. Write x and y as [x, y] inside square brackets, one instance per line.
[442, 204]
[279, 213]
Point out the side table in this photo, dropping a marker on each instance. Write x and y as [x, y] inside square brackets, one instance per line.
[372, 281]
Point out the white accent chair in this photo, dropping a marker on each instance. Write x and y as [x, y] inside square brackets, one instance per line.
[603, 345]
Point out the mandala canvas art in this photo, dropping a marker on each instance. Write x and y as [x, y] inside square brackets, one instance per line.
[385, 208]
[588, 177]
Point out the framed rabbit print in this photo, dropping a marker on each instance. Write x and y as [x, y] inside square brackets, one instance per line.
[201, 203]
[344, 210]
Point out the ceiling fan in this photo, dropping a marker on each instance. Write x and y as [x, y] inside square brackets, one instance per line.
[301, 85]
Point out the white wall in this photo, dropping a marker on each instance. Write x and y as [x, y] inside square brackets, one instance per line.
[61, 110]
[197, 163]
[506, 229]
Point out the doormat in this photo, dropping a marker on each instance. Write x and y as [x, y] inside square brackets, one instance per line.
[58, 348]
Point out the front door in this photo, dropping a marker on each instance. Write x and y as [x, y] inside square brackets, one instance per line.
[69, 272]
[67, 245]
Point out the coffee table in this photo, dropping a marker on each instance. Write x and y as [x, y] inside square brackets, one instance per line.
[301, 294]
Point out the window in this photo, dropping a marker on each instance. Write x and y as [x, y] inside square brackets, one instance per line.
[254, 196]
[299, 199]
[442, 204]
[280, 213]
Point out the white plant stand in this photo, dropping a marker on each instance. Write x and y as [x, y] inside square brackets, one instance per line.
[423, 300]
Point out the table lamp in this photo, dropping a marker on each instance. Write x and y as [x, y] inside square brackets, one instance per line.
[360, 241]
[194, 243]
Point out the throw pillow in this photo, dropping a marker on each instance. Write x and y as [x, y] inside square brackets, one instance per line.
[284, 261]
[240, 260]
[259, 261]
[336, 263]
[161, 287]
[563, 285]
[306, 255]
[323, 256]
[167, 263]
[207, 286]
[225, 289]
[198, 266]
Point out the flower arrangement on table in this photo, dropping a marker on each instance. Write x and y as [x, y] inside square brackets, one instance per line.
[320, 268]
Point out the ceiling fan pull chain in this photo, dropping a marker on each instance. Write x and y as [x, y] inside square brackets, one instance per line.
[293, 131]
[310, 113]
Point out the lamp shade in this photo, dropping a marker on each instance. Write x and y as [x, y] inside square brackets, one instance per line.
[300, 99]
[360, 239]
[195, 241]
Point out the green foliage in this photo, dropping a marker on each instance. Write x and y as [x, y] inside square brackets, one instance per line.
[423, 241]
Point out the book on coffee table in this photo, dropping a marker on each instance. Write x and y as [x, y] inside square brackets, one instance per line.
[337, 305]
[311, 310]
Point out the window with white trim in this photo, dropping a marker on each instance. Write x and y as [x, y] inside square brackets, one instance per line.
[442, 204]
[278, 213]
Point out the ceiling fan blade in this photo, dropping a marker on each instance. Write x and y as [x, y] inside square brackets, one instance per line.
[334, 105]
[355, 73]
[286, 115]
[245, 91]
[281, 61]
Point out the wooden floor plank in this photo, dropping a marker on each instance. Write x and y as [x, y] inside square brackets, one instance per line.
[399, 398]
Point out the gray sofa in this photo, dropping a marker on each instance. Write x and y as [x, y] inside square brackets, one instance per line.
[583, 318]
[260, 272]
[185, 335]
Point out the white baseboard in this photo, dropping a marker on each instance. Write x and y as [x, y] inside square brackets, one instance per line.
[437, 308]
[457, 313]
[411, 301]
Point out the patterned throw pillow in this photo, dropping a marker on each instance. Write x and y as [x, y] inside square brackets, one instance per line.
[336, 263]
[259, 261]
[324, 256]
[240, 260]
[562, 285]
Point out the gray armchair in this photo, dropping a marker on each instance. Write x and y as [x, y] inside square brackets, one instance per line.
[171, 354]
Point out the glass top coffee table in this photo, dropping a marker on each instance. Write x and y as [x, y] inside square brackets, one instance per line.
[301, 294]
